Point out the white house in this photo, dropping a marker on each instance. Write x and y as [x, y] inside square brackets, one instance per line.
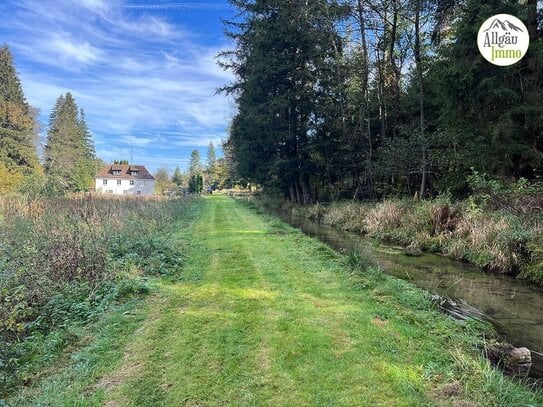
[125, 179]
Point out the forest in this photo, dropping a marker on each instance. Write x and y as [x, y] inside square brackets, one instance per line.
[371, 99]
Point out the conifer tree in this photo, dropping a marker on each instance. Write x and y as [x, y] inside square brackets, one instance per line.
[177, 177]
[211, 169]
[69, 152]
[211, 157]
[283, 61]
[195, 166]
[17, 147]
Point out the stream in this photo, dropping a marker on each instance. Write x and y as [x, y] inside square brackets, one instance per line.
[514, 308]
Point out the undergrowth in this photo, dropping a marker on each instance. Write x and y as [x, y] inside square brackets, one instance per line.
[64, 260]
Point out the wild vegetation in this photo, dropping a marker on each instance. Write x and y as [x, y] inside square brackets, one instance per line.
[64, 260]
[499, 228]
[372, 99]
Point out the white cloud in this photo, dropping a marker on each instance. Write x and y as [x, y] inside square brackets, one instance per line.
[72, 50]
[177, 5]
[198, 141]
[139, 141]
[147, 85]
[99, 5]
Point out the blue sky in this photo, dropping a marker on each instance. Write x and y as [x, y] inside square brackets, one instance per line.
[143, 71]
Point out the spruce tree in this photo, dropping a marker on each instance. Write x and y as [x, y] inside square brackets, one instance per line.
[17, 147]
[211, 157]
[211, 169]
[195, 166]
[485, 110]
[177, 177]
[69, 152]
[283, 60]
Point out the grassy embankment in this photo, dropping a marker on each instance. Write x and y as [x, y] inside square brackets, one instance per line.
[272, 317]
[64, 261]
[498, 232]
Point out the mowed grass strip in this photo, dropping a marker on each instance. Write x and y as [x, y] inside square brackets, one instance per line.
[278, 320]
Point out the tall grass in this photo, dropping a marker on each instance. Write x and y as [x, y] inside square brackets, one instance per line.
[496, 239]
[64, 259]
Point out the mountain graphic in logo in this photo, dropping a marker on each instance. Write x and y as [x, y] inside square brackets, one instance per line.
[504, 25]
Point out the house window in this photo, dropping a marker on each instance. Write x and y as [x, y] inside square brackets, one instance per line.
[104, 182]
[138, 192]
[116, 172]
[118, 182]
[110, 191]
[125, 191]
[132, 182]
[134, 173]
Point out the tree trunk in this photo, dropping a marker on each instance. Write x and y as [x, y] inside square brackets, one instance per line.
[306, 191]
[363, 110]
[298, 192]
[292, 192]
[418, 61]
[395, 71]
[381, 93]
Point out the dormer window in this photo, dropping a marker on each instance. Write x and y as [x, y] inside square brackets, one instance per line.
[134, 173]
[116, 172]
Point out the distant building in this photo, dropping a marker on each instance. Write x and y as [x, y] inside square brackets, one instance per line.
[119, 179]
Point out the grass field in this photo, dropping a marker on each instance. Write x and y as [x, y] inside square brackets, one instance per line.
[264, 315]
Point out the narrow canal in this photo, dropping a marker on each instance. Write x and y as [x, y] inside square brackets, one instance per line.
[514, 308]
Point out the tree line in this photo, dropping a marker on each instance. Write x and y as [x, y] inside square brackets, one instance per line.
[374, 98]
[215, 174]
[68, 154]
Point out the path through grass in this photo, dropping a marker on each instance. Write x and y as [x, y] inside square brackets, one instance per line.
[272, 317]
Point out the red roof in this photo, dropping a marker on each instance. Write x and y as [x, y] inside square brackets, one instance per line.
[126, 171]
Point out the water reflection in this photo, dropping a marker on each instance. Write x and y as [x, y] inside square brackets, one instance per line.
[515, 309]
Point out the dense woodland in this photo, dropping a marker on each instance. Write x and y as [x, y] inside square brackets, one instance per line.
[372, 98]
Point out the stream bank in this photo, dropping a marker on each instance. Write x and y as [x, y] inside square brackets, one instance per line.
[514, 307]
[507, 240]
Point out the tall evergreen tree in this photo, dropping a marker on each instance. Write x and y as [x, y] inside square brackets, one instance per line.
[487, 110]
[282, 62]
[211, 157]
[17, 125]
[69, 152]
[212, 178]
[177, 177]
[195, 165]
